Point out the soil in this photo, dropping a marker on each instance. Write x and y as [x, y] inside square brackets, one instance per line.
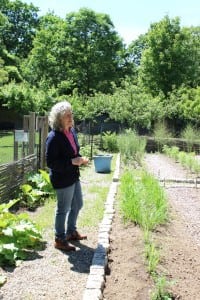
[54, 274]
[178, 242]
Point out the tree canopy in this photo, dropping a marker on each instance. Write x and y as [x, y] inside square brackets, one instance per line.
[83, 58]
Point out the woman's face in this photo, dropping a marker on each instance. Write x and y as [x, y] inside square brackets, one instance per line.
[67, 120]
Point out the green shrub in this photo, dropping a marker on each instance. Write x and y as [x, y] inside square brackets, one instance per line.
[109, 141]
[161, 135]
[190, 134]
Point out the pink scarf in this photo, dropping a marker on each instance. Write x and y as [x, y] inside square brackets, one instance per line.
[70, 137]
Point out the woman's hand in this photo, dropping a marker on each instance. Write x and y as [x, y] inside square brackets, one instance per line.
[80, 160]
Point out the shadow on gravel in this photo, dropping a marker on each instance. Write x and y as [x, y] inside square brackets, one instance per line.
[81, 259]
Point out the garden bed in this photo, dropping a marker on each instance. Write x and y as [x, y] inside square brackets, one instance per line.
[178, 243]
[52, 274]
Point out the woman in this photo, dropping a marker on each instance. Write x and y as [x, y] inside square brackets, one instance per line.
[63, 160]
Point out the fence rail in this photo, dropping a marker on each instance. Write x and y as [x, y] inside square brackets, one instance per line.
[153, 145]
[13, 175]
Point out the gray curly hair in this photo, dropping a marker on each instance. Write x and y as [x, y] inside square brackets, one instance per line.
[56, 113]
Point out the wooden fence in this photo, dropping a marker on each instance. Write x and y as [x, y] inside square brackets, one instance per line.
[154, 145]
[13, 174]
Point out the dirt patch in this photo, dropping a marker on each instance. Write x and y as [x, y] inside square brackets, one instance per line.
[180, 259]
[127, 277]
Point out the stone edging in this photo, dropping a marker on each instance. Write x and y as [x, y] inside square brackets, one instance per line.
[96, 278]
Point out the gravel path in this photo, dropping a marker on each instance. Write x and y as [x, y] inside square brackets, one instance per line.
[186, 198]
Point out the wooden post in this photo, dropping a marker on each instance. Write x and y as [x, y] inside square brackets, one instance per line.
[31, 132]
[15, 150]
[42, 127]
[26, 129]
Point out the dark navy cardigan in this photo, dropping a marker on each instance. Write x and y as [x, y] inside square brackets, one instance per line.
[59, 154]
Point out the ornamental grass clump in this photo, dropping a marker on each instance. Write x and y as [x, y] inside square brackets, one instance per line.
[131, 147]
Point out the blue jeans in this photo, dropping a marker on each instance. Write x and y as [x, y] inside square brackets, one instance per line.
[69, 202]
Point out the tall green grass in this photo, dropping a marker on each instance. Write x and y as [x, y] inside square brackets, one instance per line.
[143, 202]
[131, 147]
[142, 199]
[190, 134]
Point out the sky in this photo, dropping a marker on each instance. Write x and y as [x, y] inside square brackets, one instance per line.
[130, 17]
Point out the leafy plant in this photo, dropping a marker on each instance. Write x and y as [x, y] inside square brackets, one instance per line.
[19, 235]
[109, 141]
[41, 181]
[36, 190]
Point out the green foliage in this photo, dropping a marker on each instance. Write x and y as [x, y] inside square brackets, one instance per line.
[131, 147]
[109, 140]
[134, 107]
[172, 152]
[188, 160]
[63, 50]
[162, 67]
[82, 57]
[136, 49]
[13, 74]
[41, 181]
[190, 134]
[142, 199]
[161, 134]
[3, 72]
[22, 21]
[161, 292]
[184, 104]
[18, 235]
[152, 256]
[23, 98]
[37, 189]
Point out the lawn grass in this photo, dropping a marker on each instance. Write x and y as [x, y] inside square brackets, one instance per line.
[6, 147]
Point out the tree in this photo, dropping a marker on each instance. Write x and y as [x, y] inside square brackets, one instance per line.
[167, 61]
[3, 73]
[194, 46]
[136, 49]
[22, 23]
[95, 51]
[46, 64]
[83, 52]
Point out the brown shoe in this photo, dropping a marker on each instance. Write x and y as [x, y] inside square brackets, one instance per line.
[76, 236]
[63, 245]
